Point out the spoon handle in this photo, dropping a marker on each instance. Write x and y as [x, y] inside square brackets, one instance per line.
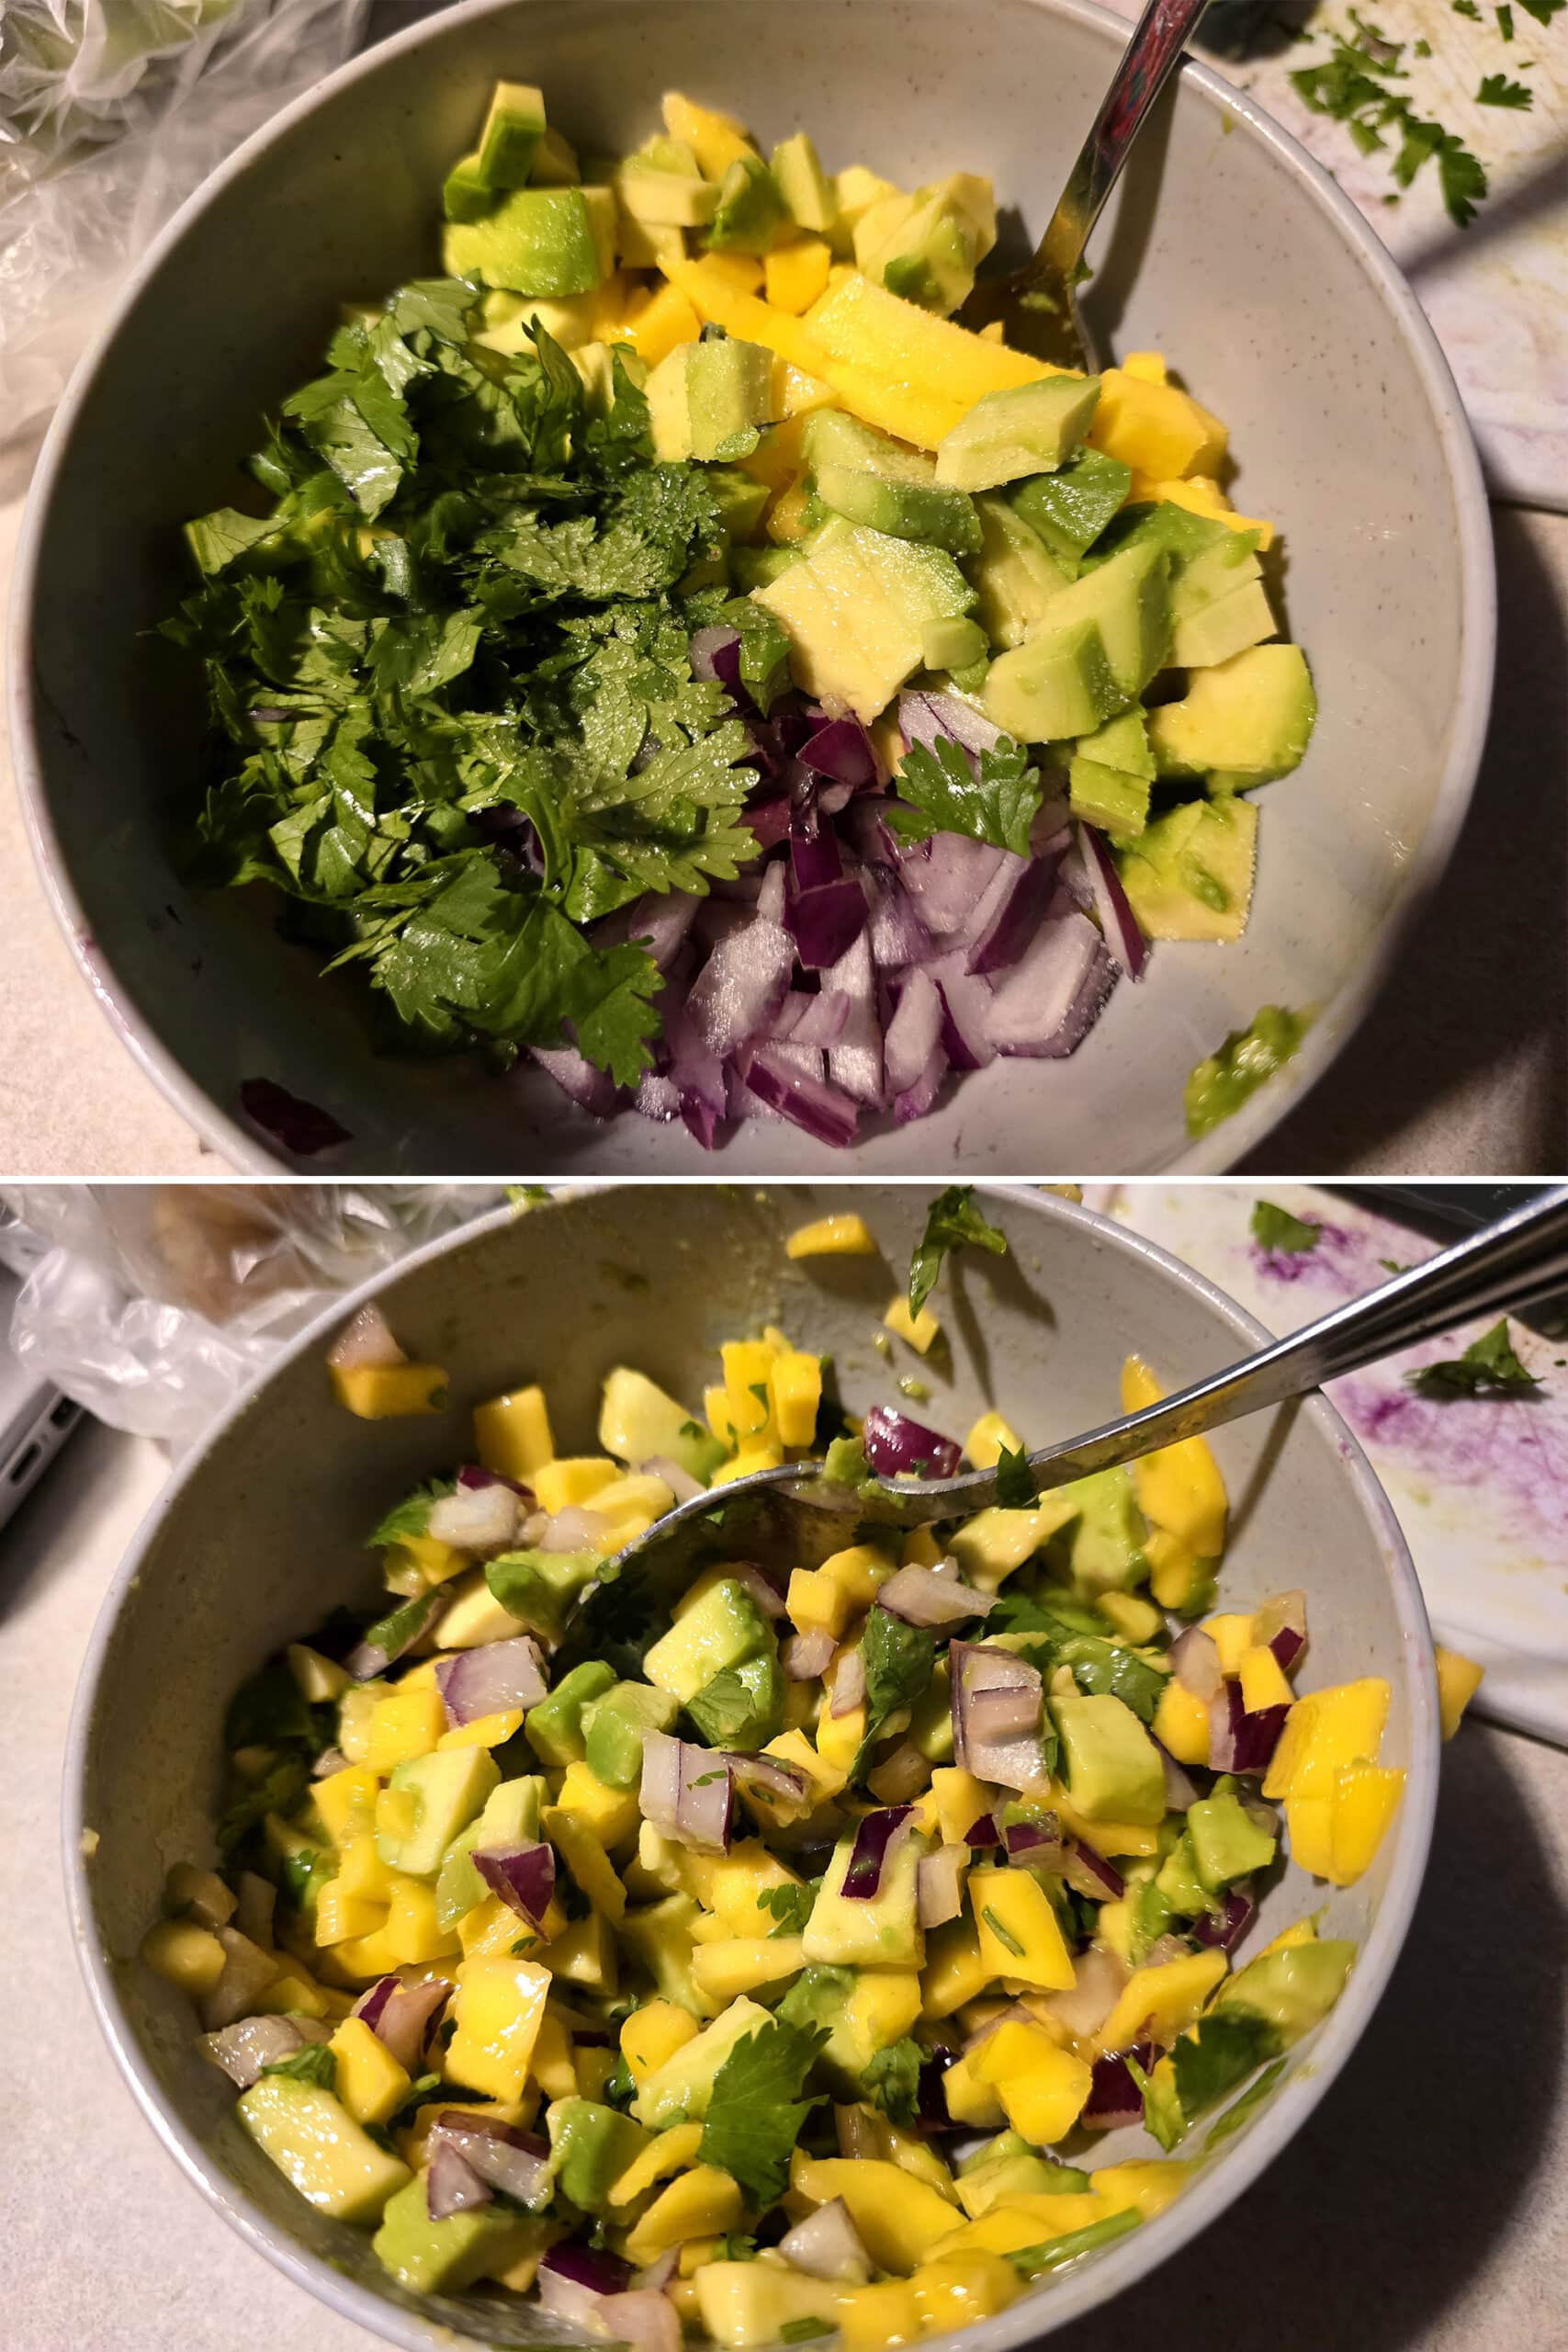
[1523, 1257]
[1146, 65]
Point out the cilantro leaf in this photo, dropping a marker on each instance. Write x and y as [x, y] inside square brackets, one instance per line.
[757, 2109]
[1248, 2104]
[951, 1220]
[1202, 2067]
[314, 2061]
[941, 793]
[1103, 1668]
[899, 1659]
[1015, 1487]
[790, 1906]
[1353, 87]
[892, 2080]
[1488, 1367]
[1542, 11]
[1275, 1229]
[1505, 28]
[1497, 90]
[411, 1516]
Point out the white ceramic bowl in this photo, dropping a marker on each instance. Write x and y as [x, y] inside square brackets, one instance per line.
[262, 1530]
[1226, 247]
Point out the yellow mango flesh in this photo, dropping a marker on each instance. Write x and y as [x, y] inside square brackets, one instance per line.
[1459, 1679]
[498, 2007]
[899, 2219]
[1017, 1931]
[1042, 2088]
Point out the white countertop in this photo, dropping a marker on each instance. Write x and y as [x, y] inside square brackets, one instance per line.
[1424, 2208]
[1461, 1070]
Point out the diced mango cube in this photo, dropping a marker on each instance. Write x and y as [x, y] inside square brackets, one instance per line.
[188, 1956]
[955, 1970]
[1147, 366]
[1158, 2004]
[652, 2033]
[362, 1873]
[662, 327]
[485, 1731]
[991, 1436]
[404, 1725]
[825, 1775]
[1042, 2088]
[839, 1737]
[1201, 494]
[370, 2082]
[1019, 1933]
[898, 2217]
[552, 2065]
[1263, 1682]
[498, 2007]
[1145, 2186]
[668, 2152]
[702, 2203]
[1309, 1825]
[1156, 428]
[1458, 1678]
[1342, 1725]
[861, 1569]
[572, 1481]
[833, 1236]
[921, 1330]
[751, 1459]
[611, 1813]
[959, 2287]
[888, 2312]
[1136, 1621]
[413, 1928]
[961, 1799]
[817, 1600]
[416, 1560]
[716, 139]
[1179, 1487]
[341, 1917]
[512, 1434]
[346, 1802]
[385, 1392]
[795, 1383]
[1233, 1637]
[1366, 1798]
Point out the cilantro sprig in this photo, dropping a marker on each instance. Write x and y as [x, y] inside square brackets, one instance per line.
[1355, 86]
[952, 1222]
[1275, 1229]
[757, 2109]
[1489, 1367]
[944, 795]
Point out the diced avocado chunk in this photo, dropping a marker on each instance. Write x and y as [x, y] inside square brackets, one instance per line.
[590, 2147]
[443, 2257]
[861, 474]
[717, 1631]
[1057, 682]
[1221, 1083]
[511, 1817]
[554, 166]
[1070, 508]
[661, 196]
[509, 143]
[538, 241]
[954, 644]
[614, 1726]
[638, 1420]
[925, 248]
[1178, 1881]
[855, 611]
[465, 195]
[751, 216]
[1128, 600]
[554, 1725]
[1189, 874]
[682, 2087]
[537, 1587]
[1226, 627]
[754, 567]
[1122, 744]
[1104, 796]
[1103, 1548]
[659, 1935]
[1014, 578]
[1226, 1843]
[445, 1789]
[805, 187]
[1251, 716]
[742, 1706]
[879, 1932]
[711, 399]
[931, 1719]
[1016, 431]
[1295, 1988]
[1008, 2167]
[318, 2146]
[1113, 1769]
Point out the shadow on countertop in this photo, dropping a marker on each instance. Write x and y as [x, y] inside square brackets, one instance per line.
[1480, 981]
[1396, 2192]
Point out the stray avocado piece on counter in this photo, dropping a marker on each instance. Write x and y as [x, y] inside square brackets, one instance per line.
[683, 480]
[1222, 1082]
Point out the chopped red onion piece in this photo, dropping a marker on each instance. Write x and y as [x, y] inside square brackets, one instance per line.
[898, 937]
[473, 1476]
[592, 1090]
[875, 1839]
[922, 718]
[931, 2108]
[645, 2319]
[575, 2282]
[247, 1972]
[917, 1099]
[737, 994]
[903, 1776]
[699, 1073]
[1240, 1742]
[258, 1903]
[715, 655]
[680, 1481]
[1223, 1933]
[939, 1882]
[947, 876]
[1280, 1626]
[451, 2185]
[523, 1877]
[806, 1657]
[245, 2048]
[984, 1833]
[914, 1033]
[826, 920]
[658, 2273]
[1090, 1873]
[1098, 1978]
[656, 1098]
[821, 1110]
[854, 1061]
[686, 1791]
[1012, 1758]
[827, 2246]
[849, 1683]
[575, 1528]
[515, 2162]
[758, 1584]
[403, 2017]
[815, 856]
[767, 1779]
[491, 1680]
[1034, 1846]
[366, 1342]
[1118, 923]
[927, 1597]
[657, 923]
[1114, 2097]
[1194, 1659]
[1047, 1003]
[1013, 917]
[476, 1519]
[330, 1760]
[895, 1446]
[966, 1012]
[1179, 1791]
[822, 1020]
[843, 751]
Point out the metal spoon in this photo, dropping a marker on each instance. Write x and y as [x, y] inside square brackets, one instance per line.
[796, 1516]
[1037, 305]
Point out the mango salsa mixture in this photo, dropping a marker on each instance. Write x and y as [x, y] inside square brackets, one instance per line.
[769, 1964]
[675, 651]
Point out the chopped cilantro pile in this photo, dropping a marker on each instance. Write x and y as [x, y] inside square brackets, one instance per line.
[1355, 86]
[454, 717]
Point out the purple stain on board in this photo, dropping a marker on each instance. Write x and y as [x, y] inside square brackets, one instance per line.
[1344, 1262]
[1515, 1447]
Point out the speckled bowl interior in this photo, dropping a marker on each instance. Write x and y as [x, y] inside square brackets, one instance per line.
[1225, 247]
[264, 1530]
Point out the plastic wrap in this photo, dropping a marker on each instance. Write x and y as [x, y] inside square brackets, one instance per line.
[112, 111]
[154, 1304]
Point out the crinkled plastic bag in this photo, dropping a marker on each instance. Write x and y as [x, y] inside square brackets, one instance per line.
[154, 1304]
[111, 112]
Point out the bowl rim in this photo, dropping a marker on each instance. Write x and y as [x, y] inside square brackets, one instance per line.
[225, 1131]
[1223, 2180]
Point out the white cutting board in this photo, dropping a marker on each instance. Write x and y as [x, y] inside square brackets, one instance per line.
[1497, 291]
[1480, 1484]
